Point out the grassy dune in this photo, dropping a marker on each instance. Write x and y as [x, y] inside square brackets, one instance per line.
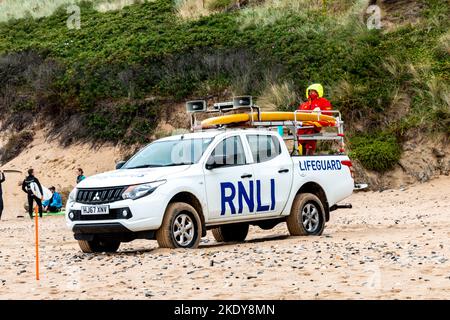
[112, 78]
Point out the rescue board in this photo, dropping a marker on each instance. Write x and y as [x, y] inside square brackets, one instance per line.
[318, 120]
[35, 189]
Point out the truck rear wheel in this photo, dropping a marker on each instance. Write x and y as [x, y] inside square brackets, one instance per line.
[307, 216]
[181, 227]
[98, 246]
[231, 232]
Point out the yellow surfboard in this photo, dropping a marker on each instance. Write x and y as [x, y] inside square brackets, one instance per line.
[312, 118]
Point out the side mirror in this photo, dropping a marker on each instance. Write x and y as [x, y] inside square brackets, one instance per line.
[120, 164]
[215, 161]
[210, 166]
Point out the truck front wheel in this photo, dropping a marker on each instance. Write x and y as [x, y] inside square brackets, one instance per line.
[231, 232]
[98, 246]
[181, 227]
[307, 216]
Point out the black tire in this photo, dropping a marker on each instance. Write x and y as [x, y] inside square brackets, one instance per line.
[231, 232]
[167, 235]
[307, 217]
[98, 246]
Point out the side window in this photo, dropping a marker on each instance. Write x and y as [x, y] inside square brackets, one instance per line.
[264, 147]
[229, 152]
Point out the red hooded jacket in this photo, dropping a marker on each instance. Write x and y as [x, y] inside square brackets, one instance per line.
[312, 104]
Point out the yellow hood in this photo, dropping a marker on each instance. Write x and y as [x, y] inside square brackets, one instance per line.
[316, 86]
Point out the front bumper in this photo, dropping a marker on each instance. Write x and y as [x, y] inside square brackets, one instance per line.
[141, 215]
[109, 231]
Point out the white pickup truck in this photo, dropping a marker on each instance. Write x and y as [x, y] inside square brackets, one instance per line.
[177, 188]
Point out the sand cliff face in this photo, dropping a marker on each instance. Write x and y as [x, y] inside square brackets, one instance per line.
[54, 165]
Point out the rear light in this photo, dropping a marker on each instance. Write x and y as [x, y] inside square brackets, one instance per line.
[348, 163]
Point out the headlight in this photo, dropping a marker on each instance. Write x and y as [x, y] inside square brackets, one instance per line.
[141, 190]
[73, 195]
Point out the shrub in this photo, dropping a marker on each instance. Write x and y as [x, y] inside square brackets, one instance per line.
[379, 152]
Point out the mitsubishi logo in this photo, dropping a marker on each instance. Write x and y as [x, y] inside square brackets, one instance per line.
[96, 197]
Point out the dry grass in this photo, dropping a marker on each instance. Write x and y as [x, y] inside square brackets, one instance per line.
[272, 11]
[278, 97]
[18, 9]
[395, 67]
[114, 5]
[343, 90]
[439, 92]
[444, 43]
[399, 107]
[192, 9]
[434, 96]
[351, 100]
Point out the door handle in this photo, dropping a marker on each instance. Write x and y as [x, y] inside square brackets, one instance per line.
[246, 175]
[283, 170]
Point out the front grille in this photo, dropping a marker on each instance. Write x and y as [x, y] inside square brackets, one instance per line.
[100, 195]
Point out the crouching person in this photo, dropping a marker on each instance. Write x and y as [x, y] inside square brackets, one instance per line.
[55, 202]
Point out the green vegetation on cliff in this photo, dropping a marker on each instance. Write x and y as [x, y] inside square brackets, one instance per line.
[112, 78]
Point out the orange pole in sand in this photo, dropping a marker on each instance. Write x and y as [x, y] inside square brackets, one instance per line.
[37, 241]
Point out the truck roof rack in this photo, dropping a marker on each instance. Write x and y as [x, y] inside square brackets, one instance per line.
[245, 104]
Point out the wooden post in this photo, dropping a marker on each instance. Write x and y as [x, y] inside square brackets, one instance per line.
[36, 219]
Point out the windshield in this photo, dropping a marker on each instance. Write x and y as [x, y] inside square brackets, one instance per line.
[169, 153]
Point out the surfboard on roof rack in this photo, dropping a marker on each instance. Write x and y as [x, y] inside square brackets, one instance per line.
[314, 119]
[242, 113]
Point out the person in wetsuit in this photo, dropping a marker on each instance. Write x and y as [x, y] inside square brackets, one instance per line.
[26, 187]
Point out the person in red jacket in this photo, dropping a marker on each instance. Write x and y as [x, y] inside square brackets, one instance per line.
[316, 101]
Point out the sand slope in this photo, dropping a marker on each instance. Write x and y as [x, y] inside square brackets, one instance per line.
[392, 244]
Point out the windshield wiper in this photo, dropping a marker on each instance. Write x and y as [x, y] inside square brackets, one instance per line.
[177, 164]
[161, 165]
[145, 166]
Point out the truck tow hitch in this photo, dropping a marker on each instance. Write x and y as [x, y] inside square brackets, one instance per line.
[341, 206]
[360, 186]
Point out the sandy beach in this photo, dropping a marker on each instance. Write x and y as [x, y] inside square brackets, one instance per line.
[392, 245]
